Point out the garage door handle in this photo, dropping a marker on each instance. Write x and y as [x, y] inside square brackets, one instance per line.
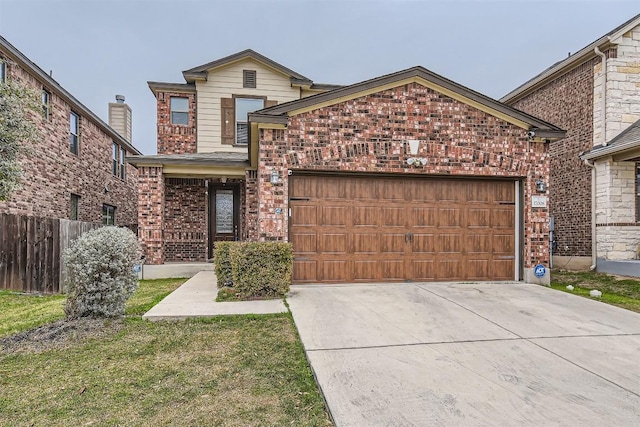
[300, 199]
[408, 237]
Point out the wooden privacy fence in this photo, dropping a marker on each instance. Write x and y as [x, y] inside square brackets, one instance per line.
[31, 251]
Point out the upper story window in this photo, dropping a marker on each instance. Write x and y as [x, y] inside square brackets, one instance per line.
[249, 78]
[179, 111]
[74, 132]
[108, 215]
[243, 107]
[123, 154]
[117, 161]
[3, 71]
[46, 104]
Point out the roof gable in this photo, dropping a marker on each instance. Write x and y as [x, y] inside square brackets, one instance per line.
[279, 114]
[200, 72]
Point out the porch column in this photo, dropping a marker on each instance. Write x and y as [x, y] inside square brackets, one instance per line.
[151, 201]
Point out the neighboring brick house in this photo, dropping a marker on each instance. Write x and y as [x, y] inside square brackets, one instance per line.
[407, 176]
[77, 169]
[571, 95]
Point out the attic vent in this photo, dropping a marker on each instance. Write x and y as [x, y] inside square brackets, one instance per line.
[249, 78]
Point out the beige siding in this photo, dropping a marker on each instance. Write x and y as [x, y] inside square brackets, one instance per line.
[226, 82]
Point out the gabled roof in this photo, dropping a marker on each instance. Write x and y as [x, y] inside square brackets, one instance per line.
[54, 86]
[201, 71]
[625, 146]
[580, 57]
[279, 114]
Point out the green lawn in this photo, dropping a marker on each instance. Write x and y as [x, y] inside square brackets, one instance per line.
[225, 371]
[621, 291]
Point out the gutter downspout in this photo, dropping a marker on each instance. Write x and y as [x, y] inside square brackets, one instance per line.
[603, 99]
[594, 250]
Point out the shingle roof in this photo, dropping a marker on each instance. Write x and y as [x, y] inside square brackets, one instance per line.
[213, 159]
[628, 139]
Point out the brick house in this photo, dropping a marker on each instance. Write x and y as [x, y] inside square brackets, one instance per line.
[408, 176]
[77, 170]
[595, 180]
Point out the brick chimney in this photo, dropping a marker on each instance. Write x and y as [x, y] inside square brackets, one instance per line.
[120, 117]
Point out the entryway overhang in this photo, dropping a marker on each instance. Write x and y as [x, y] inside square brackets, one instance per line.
[211, 165]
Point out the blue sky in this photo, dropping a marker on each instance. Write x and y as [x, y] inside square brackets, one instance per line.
[99, 48]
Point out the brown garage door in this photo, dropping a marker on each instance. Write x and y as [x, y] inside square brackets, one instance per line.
[366, 229]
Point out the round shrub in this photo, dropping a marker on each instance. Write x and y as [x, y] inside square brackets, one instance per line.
[100, 273]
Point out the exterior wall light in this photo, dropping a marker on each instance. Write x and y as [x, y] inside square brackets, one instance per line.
[275, 178]
[417, 161]
[541, 186]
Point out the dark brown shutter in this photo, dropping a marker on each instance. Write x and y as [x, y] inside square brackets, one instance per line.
[270, 103]
[228, 120]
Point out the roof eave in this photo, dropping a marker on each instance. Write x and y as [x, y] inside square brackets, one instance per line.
[156, 87]
[611, 150]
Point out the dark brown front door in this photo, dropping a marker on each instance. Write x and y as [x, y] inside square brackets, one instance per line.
[224, 213]
[367, 229]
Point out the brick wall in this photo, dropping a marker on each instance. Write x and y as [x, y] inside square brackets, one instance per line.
[185, 218]
[52, 173]
[175, 139]
[368, 134]
[151, 213]
[567, 102]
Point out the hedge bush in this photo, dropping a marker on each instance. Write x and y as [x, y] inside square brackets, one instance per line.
[261, 269]
[222, 263]
[100, 273]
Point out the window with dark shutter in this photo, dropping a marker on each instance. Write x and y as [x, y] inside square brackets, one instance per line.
[228, 121]
[249, 78]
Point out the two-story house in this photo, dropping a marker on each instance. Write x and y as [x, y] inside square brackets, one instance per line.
[77, 169]
[595, 176]
[407, 176]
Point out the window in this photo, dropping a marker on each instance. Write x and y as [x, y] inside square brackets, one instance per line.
[75, 206]
[638, 192]
[244, 106]
[249, 78]
[46, 104]
[108, 215]
[123, 154]
[114, 158]
[3, 71]
[74, 121]
[179, 111]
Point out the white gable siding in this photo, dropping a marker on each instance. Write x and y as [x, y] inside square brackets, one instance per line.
[226, 82]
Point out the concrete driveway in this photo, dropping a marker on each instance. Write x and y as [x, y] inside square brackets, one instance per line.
[469, 354]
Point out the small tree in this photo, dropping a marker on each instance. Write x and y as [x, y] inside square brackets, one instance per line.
[101, 277]
[16, 129]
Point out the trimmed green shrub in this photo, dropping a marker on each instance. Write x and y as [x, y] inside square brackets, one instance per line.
[222, 263]
[101, 277]
[261, 269]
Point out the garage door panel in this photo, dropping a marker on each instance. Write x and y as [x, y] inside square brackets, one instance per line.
[365, 270]
[366, 243]
[366, 216]
[392, 243]
[334, 215]
[450, 244]
[402, 229]
[424, 217]
[478, 218]
[304, 215]
[334, 271]
[305, 243]
[393, 270]
[305, 271]
[449, 217]
[333, 243]
[393, 217]
[423, 270]
[423, 243]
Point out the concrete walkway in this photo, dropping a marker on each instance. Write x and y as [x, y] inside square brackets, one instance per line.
[197, 298]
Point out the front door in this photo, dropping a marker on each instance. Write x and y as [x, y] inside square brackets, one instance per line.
[224, 214]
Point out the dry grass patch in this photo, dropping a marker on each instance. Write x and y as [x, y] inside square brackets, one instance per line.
[616, 290]
[227, 371]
